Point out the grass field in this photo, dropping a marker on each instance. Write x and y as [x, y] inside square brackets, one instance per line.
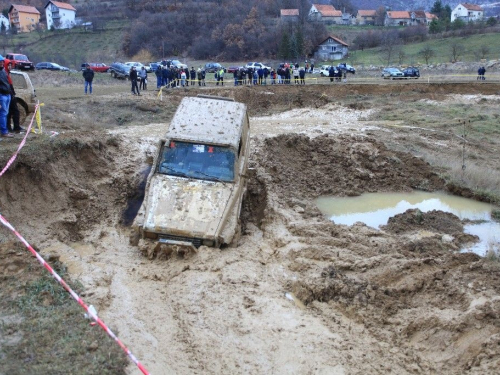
[441, 47]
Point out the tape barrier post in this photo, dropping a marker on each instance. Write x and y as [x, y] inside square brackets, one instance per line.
[38, 117]
[75, 296]
[160, 93]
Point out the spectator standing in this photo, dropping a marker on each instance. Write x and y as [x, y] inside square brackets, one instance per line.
[192, 75]
[143, 74]
[273, 77]
[312, 67]
[483, 71]
[296, 74]
[186, 72]
[88, 76]
[221, 76]
[203, 75]
[13, 109]
[133, 80]
[260, 72]
[158, 74]
[5, 93]
[235, 76]
[183, 77]
[302, 75]
[165, 75]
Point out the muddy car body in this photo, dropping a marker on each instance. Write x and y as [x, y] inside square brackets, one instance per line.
[25, 94]
[195, 188]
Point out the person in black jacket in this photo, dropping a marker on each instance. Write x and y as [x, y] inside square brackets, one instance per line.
[88, 76]
[133, 79]
[5, 92]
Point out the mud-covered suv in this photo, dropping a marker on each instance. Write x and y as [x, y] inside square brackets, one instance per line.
[194, 192]
[20, 61]
[25, 94]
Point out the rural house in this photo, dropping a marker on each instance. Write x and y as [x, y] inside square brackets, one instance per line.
[331, 48]
[366, 17]
[397, 18]
[59, 15]
[289, 15]
[429, 17]
[325, 13]
[23, 17]
[467, 12]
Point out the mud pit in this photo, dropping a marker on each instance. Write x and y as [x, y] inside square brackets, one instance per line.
[401, 300]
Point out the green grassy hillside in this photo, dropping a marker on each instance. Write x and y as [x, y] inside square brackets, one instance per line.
[441, 48]
[69, 47]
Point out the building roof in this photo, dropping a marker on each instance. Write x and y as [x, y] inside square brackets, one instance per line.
[398, 14]
[430, 16]
[419, 13]
[61, 5]
[24, 9]
[289, 12]
[339, 41]
[327, 10]
[367, 13]
[471, 6]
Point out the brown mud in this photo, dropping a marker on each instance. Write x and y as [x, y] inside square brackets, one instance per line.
[300, 294]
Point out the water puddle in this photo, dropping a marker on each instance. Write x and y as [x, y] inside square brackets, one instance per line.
[375, 209]
[135, 201]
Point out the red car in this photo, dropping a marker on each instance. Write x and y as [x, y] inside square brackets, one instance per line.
[20, 61]
[96, 67]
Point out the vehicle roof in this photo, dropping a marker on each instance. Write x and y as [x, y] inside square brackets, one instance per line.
[213, 121]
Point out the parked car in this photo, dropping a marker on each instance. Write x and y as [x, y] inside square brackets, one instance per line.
[96, 67]
[346, 68]
[25, 94]
[138, 66]
[20, 61]
[212, 67]
[411, 72]
[256, 65]
[233, 69]
[119, 70]
[194, 192]
[392, 73]
[153, 66]
[324, 70]
[50, 66]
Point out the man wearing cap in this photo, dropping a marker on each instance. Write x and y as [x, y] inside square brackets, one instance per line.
[5, 92]
[88, 75]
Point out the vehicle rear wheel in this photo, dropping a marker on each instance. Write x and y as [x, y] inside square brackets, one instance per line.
[23, 113]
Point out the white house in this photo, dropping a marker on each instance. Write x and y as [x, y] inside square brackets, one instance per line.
[59, 15]
[331, 48]
[325, 13]
[467, 12]
[5, 22]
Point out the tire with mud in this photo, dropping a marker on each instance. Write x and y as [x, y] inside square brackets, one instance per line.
[23, 112]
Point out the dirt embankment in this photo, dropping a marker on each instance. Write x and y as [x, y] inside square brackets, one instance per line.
[401, 299]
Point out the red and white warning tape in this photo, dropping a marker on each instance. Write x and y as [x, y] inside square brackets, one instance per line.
[21, 145]
[90, 312]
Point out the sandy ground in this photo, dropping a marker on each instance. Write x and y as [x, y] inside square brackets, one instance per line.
[300, 294]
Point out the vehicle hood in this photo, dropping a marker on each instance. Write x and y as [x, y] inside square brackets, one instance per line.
[186, 207]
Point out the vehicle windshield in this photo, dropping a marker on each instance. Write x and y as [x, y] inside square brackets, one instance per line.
[200, 161]
[21, 58]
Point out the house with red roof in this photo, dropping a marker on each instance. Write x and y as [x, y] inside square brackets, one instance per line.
[289, 15]
[467, 12]
[23, 17]
[325, 13]
[59, 15]
[366, 16]
[397, 18]
[332, 48]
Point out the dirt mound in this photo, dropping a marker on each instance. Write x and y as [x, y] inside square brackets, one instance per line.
[299, 166]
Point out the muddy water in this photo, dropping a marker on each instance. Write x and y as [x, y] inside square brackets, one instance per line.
[374, 209]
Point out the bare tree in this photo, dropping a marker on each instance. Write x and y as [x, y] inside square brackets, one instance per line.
[427, 53]
[380, 16]
[456, 50]
[483, 51]
[390, 47]
[401, 56]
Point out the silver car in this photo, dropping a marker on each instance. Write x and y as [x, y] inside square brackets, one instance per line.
[392, 73]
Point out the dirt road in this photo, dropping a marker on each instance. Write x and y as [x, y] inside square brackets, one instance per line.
[300, 294]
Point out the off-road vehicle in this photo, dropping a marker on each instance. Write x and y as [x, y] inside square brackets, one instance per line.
[195, 189]
[25, 94]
